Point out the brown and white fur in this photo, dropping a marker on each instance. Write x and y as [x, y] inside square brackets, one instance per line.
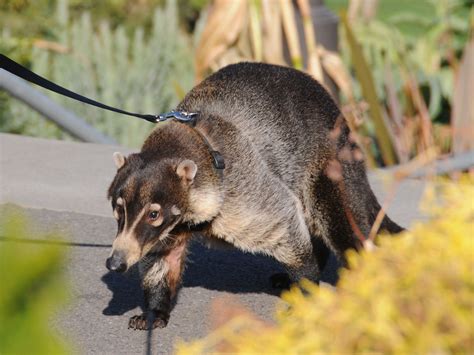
[294, 185]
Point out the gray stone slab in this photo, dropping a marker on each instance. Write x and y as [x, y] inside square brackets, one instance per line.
[57, 175]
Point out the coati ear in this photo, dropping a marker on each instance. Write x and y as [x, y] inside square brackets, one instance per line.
[119, 159]
[187, 170]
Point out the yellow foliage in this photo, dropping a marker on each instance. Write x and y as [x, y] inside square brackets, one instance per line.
[413, 295]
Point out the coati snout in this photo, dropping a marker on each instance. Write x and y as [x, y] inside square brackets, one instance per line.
[294, 184]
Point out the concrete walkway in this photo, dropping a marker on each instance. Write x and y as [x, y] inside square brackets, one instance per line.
[62, 186]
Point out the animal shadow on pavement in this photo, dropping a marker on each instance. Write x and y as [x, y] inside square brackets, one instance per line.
[126, 292]
[220, 270]
[238, 272]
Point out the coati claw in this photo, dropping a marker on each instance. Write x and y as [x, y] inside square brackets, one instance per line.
[137, 322]
[140, 322]
[281, 281]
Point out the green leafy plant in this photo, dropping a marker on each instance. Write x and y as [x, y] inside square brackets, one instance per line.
[32, 288]
[144, 72]
[414, 51]
[367, 84]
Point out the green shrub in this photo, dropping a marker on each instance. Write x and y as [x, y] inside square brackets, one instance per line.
[412, 295]
[144, 73]
[32, 288]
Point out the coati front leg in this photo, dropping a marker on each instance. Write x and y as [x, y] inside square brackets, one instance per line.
[157, 306]
[160, 282]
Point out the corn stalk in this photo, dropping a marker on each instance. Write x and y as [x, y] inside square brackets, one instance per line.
[256, 30]
[462, 116]
[368, 88]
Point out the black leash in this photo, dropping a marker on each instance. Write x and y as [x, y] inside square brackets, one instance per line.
[181, 116]
[26, 74]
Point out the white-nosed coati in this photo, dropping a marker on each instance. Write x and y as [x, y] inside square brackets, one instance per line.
[294, 181]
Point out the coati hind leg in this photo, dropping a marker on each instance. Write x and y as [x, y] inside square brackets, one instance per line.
[294, 250]
[305, 268]
[321, 254]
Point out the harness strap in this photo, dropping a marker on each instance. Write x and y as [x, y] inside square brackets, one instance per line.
[217, 158]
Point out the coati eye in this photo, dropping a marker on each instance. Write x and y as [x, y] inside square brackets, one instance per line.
[153, 215]
[118, 210]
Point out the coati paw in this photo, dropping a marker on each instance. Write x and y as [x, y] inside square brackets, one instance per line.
[281, 281]
[140, 322]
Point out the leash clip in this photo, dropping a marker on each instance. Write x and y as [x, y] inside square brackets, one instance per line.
[181, 116]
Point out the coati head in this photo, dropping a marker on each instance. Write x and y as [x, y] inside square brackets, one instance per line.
[149, 198]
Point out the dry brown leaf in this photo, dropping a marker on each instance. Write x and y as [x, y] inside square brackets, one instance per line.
[227, 309]
[354, 7]
[365, 9]
[426, 127]
[225, 22]
[272, 32]
[291, 33]
[333, 65]
[255, 30]
[230, 56]
[51, 46]
[369, 9]
[462, 116]
[314, 64]
[335, 68]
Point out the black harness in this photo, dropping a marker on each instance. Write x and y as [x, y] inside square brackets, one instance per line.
[189, 118]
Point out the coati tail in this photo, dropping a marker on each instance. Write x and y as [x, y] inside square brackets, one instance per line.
[390, 226]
